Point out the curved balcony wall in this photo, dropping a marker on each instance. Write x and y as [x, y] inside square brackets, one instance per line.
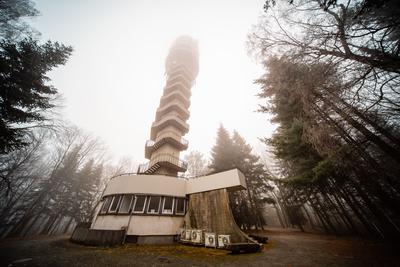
[178, 86]
[173, 105]
[168, 121]
[169, 137]
[179, 77]
[181, 69]
[175, 95]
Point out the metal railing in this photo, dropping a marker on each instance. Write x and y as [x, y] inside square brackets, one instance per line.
[174, 135]
[152, 145]
[163, 158]
[144, 166]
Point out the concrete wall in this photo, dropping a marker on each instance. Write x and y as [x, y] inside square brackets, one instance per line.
[232, 179]
[171, 186]
[84, 235]
[140, 225]
[149, 225]
[147, 184]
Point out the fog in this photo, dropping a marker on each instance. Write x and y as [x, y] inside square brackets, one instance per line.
[113, 81]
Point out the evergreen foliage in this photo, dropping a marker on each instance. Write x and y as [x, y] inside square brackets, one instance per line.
[331, 81]
[233, 152]
[25, 94]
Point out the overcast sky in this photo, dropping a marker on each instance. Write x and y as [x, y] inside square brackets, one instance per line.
[113, 81]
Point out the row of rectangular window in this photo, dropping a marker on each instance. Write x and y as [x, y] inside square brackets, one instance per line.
[126, 204]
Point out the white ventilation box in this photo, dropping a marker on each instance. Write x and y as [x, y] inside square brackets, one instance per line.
[197, 236]
[210, 240]
[188, 235]
[223, 240]
[182, 232]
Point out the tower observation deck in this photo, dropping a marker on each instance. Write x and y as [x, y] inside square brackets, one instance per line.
[166, 141]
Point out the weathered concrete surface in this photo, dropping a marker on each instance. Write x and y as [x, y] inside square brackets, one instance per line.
[83, 235]
[210, 211]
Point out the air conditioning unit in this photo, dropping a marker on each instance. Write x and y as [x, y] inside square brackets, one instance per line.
[182, 232]
[210, 240]
[197, 236]
[188, 235]
[223, 240]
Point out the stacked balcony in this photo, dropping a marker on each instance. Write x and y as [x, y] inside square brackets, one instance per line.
[171, 116]
[163, 160]
[169, 137]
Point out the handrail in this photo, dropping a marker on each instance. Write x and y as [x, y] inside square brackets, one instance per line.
[172, 134]
[143, 167]
[124, 174]
[182, 176]
[163, 158]
[151, 144]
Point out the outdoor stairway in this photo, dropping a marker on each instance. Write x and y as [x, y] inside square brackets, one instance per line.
[153, 168]
[163, 160]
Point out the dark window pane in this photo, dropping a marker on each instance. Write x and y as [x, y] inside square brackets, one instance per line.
[180, 206]
[106, 204]
[139, 204]
[114, 204]
[168, 205]
[154, 204]
[125, 204]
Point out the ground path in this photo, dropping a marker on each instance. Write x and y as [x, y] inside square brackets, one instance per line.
[286, 248]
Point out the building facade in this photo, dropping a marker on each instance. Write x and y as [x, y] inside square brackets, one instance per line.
[166, 142]
[151, 205]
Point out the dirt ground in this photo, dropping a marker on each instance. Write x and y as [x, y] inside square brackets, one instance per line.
[285, 248]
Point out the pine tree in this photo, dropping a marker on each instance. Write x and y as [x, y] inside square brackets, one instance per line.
[222, 153]
[229, 153]
[25, 94]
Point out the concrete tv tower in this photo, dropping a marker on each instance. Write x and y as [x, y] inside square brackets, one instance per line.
[166, 142]
[154, 205]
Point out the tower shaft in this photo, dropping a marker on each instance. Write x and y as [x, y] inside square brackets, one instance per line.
[166, 142]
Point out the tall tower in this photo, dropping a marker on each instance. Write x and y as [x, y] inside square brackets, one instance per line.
[166, 142]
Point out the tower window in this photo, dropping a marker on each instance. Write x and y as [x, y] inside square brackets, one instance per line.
[106, 205]
[139, 204]
[154, 204]
[114, 204]
[180, 206]
[168, 205]
[125, 204]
